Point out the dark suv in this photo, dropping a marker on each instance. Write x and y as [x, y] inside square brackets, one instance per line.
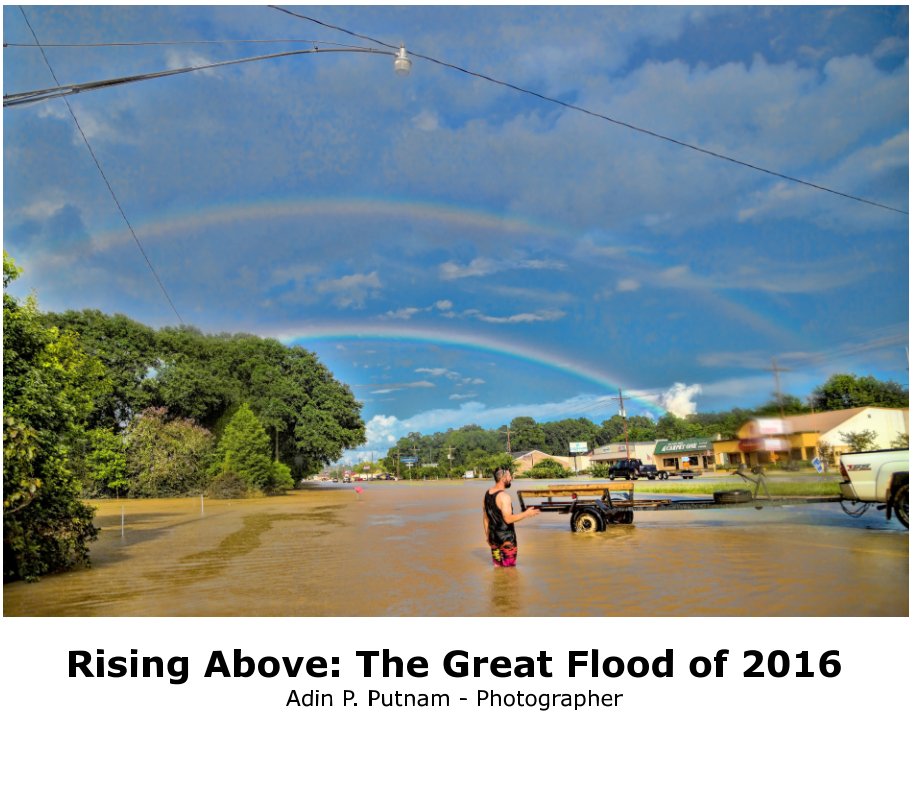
[634, 469]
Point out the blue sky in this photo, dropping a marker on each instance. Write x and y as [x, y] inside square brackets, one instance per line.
[460, 252]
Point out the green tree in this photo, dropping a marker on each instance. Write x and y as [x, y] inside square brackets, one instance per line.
[245, 449]
[526, 434]
[106, 462]
[900, 441]
[49, 388]
[850, 391]
[166, 457]
[864, 441]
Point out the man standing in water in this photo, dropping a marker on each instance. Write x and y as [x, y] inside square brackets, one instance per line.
[499, 519]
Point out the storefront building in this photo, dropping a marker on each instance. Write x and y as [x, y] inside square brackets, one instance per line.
[697, 453]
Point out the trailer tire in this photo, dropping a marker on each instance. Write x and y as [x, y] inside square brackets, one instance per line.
[732, 496]
[900, 504]
[664, 475]
[623, 516]
[587, 521]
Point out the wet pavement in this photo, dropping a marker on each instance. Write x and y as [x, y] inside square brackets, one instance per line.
[417, 549]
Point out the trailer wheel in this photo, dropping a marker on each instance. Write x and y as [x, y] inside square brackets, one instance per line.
[900, 504]
[623, 516]
[586, 521]
[732, 496]
[664, 474]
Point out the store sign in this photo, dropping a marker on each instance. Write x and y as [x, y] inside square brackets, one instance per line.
[579, 447]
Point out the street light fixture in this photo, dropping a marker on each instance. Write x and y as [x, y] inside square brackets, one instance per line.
[402, 67]
[402, 63]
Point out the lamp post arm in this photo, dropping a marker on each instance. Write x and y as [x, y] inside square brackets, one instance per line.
[39, 95]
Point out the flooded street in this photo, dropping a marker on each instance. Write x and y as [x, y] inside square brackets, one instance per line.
[417, 549]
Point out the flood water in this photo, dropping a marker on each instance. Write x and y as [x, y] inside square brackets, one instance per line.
[417, 549]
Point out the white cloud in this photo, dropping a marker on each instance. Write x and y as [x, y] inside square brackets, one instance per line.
[426, 121]
[545, 315]
[628, 285]
[450, 271]
[679, 399]
[351, 290]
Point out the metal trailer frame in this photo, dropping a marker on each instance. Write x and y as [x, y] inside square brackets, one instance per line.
[593, 506]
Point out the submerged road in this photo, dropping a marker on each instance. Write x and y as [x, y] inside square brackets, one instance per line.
[417, 549]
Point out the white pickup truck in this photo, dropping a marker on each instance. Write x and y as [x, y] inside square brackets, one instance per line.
[877, 478]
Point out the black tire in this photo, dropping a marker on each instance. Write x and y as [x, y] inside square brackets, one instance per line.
[732, 496]
[587, 521]
[623, 516]
[900, 504]
[664, 475]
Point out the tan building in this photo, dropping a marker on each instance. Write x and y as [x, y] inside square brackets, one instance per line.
[797, 438]
[639, 450]
[526, 460]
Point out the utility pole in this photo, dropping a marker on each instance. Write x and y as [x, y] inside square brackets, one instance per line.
[775, 368]
[508, 439]
[621, 412]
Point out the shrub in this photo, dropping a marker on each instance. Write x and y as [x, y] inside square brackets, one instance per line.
[228, 485]
[548, 469]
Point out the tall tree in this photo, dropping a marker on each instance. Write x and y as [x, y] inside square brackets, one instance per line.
[49, 387]
[851, 391]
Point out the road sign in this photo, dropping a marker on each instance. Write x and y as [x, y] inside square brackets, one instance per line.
[817, 464]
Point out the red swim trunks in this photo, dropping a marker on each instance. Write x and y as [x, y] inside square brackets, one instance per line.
[504, 555]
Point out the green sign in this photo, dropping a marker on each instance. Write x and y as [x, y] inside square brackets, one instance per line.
[681, 447]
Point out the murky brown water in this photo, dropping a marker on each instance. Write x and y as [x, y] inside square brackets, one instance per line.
[402, 549]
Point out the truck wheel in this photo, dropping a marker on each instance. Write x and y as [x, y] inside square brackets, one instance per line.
[732, 496]
[900, 505]
[587, 521]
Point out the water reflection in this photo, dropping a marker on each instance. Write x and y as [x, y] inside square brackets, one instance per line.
[505, 592]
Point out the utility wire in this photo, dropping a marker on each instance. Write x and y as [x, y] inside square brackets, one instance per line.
[601, 116]
[105, 178]
[41, 94]
[46, 45]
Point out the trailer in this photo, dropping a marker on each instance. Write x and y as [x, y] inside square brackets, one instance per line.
[593, 507]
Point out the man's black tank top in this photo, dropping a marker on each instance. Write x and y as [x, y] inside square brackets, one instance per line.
[499, 531]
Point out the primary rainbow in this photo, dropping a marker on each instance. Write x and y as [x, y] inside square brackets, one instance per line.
[469, 341]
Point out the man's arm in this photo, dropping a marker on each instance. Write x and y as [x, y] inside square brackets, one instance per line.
[506, 509]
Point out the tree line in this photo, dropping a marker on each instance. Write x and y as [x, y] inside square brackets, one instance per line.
[474, 448]
[101, 405]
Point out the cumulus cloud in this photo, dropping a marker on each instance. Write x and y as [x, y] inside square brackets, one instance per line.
[679, 399]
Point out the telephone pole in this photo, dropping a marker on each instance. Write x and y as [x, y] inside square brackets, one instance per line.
[775, 368]
[621, 412]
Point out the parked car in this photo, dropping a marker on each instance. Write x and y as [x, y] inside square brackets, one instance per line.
[634, 469]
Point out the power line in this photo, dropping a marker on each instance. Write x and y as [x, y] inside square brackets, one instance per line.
[104, 177]
[603, 117]
[169, 43]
